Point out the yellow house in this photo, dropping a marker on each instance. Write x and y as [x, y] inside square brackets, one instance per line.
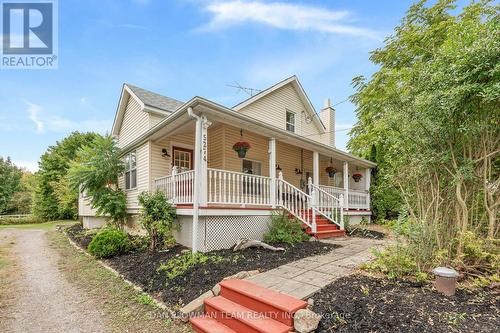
[195, 153]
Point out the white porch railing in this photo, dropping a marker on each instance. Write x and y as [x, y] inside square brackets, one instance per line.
[357, 199]
[298, 203]
[178, 187]
[228, 187]
[327, 205]
[236, 188]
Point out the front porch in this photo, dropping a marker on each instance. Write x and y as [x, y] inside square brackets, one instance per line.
[196, 167]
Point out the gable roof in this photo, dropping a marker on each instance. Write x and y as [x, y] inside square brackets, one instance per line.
[148, 100]
[155, 100]
[294, 80]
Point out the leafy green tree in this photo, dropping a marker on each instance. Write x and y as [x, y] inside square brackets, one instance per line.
[10, 176]
[52, 199]
[95, 171]
[20, 202]
[432, 111]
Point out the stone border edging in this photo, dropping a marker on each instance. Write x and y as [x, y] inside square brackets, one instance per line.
[156, 302]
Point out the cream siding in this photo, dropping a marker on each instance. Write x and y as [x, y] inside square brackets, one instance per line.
[258, 152]
[272, 108]
[155, 119]
[143, 177]
[135, 122]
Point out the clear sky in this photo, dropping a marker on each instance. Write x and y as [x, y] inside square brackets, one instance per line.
[186, 48]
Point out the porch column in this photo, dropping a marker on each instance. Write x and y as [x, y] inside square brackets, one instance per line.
[205, 124]
[368, 174]
[200, 173]
[316, 168]
[272, 171]
[346, 185]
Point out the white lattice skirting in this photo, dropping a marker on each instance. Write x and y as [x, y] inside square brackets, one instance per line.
[222, 232]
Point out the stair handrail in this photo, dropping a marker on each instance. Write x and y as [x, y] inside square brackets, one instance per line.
[296, 202]
[333, 210]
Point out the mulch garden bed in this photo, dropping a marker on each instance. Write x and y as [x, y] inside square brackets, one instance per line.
[360, 303]
[79, 235]
[142, 268]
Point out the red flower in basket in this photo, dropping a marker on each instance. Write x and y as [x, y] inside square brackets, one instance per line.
[357, 177]
[331, 171]
[241, 148]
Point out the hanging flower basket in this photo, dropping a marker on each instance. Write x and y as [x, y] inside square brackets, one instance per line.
[331, 171]
[241, 148]
[357, 177]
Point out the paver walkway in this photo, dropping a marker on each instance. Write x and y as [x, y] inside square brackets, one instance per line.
[304, 277]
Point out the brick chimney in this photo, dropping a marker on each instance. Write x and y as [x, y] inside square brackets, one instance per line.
[328, 119]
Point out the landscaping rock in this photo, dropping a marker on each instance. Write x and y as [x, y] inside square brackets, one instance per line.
[195, 307]
[305, 321]
[216, 289]
[310, 303]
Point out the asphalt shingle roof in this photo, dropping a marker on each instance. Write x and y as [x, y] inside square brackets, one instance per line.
[150, 98]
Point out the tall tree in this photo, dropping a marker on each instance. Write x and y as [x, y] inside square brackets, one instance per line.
[52, 198]
[432, 110]
[10, 176]
[21, 199]
[95, 171]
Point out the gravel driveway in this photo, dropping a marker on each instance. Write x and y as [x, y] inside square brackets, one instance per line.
[40, 299]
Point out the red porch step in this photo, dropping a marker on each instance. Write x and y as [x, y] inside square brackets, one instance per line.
[242, 319]
[207, 324]
[244, 307]
[279, 306]
[329, 234]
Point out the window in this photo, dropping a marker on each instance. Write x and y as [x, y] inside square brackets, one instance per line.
[182, 158]
[252, 168]
[290, 121]
[130, 171]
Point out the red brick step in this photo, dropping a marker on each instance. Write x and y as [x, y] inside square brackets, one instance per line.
[278, 306]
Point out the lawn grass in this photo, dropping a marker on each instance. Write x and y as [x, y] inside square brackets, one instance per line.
[125, 309]
[43, 226]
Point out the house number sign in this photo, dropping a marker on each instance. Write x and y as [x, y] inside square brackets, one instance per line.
[204, 147]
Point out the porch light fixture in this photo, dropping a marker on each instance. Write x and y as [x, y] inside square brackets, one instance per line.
[278, 167]
[298, 171]
[164, 152]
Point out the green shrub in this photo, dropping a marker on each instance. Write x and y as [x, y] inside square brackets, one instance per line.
[30, 219]
[157, 217]
[178, 266]
[394, 261]
[109, 243]
[285, 230]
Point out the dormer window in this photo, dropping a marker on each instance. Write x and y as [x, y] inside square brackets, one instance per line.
[290, 121]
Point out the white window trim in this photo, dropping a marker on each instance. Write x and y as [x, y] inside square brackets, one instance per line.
[294, 121]
[130, 170]
[252, 160]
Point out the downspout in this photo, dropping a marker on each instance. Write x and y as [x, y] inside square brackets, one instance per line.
[196, 189]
